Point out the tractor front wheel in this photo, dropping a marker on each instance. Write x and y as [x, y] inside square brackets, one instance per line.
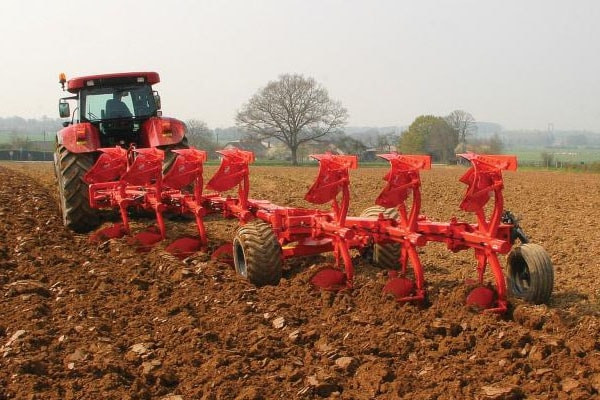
[257, 254]
[73, 194]
[383, 255]
[530, 273]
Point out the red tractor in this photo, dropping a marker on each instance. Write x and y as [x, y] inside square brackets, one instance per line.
[109, 110]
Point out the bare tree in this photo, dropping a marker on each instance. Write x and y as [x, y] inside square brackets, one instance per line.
[292, 109]
[199, 135]
[464, 124]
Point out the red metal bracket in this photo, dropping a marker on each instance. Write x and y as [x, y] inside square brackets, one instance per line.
[484, 178]
[403, 180]
[110, 166]
[146, 169]
[145, 173]
[143, 184]
[234, 171]
[332, 179]
[185, 170]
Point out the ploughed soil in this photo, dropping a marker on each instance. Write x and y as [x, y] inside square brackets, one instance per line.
[80, 320]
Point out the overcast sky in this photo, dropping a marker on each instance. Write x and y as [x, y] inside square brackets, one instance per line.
[523, 64]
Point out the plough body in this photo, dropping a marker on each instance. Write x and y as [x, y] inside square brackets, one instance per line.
[134, 179]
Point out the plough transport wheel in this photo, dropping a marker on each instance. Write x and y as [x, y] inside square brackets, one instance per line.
[73, 191]
[530, 273]
[384, 255]
[257, 254]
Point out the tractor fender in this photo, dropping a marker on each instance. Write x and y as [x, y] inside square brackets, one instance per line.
[160, 131]
[79, 138]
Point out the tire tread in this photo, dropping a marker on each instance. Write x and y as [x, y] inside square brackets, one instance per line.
[541, 273]
[386, 255]
[73, 190]
[262, 253]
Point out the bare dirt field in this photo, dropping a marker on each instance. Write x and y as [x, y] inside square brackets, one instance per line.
[100, 321]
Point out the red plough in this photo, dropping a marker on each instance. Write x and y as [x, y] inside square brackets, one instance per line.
[403, 181]
[138, 182]
[389, 233]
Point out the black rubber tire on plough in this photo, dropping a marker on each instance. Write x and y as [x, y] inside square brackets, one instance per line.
[530, 273]
[257, 253]
[73, 194]
[386, 255]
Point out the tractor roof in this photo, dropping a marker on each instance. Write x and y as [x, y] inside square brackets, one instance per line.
[76, 84]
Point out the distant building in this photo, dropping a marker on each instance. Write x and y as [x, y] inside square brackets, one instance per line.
[370, 154]
[322, 146]
[258, 147]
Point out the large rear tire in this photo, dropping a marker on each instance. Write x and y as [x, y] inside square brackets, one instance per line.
[383, 255]
[530, 273]
[257, 254]
[73, 197]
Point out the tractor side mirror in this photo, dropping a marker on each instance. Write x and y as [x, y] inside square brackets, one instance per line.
[63, 109]
[156, 99]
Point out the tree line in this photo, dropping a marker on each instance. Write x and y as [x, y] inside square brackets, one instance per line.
[298, 112]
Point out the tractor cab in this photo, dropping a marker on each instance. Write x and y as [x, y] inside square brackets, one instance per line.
[117, 105]
[105, 111]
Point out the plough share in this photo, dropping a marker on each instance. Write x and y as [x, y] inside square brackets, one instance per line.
[389, 233]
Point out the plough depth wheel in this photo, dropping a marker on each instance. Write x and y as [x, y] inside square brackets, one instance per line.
[530, 273]
[386, 255]
[257, 254]
[73, 191]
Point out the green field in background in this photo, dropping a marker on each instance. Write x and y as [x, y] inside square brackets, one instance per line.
[7, 137]
[568, 155]
[524, 154]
